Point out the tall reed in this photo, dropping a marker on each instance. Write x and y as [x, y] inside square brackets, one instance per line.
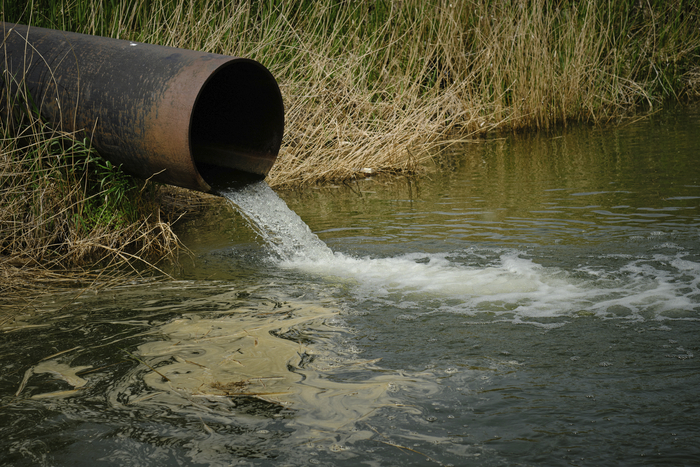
[380, 84]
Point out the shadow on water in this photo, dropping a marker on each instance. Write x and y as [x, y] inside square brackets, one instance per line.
[535, 300]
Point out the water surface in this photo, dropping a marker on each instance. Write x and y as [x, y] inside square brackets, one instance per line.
[532, 300]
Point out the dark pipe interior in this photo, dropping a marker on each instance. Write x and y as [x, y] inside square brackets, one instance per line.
[237, 123]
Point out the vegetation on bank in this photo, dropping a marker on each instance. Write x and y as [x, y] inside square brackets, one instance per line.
[64, 208]
[377, 84]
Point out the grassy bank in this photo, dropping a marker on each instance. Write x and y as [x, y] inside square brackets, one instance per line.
[378, 83]
[67, 216]
[381, 84]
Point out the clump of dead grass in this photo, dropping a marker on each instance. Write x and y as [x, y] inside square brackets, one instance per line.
[66, 209]
[692, 82]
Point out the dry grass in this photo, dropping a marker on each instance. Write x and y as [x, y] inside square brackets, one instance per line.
[68, 218]
[383, 84]
[692, 81]
[429, 72]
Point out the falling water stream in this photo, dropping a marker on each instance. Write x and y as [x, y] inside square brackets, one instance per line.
[531, 300]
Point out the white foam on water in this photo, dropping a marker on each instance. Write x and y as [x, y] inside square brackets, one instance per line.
[507, 284]
[656, 287]
[428, 283]
[432, 275]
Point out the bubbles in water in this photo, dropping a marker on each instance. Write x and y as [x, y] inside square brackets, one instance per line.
[504, 284]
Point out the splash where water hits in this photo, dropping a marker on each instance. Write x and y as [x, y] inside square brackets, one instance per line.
[513, 285]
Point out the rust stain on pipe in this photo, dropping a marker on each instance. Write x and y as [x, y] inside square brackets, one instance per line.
[183, 117]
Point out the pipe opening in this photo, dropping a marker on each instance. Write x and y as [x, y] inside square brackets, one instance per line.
[237, 123]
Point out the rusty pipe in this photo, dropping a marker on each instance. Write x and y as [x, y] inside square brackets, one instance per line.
[178, 116]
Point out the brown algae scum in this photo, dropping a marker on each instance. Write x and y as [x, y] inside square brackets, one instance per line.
[210, 364]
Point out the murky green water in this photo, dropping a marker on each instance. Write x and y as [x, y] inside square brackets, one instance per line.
[535, 300]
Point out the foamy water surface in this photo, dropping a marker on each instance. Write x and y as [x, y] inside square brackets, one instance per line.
[474, 280]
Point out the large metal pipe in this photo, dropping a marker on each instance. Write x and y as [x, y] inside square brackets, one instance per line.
[179, 116]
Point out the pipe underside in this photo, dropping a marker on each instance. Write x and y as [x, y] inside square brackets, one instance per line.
[181, 117]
